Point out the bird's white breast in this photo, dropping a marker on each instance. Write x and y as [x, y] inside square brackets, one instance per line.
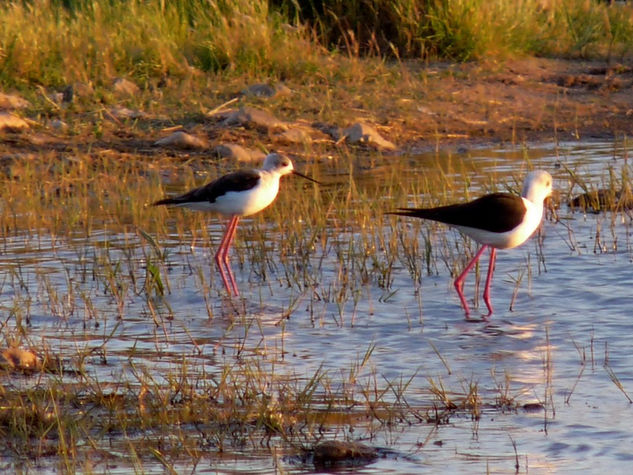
[513, 238]
[247, 202]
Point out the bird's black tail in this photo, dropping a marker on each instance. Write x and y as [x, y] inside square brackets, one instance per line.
[412, 212]
[166, 201]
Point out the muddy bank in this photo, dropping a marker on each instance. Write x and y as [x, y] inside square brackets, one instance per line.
[411, 107]
[529, 100]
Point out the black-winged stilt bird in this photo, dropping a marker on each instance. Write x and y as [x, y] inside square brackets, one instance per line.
[497, 220]
[241, 193]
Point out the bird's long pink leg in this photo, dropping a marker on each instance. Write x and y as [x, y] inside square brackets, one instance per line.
[491, 269]
[225, 256]
[459, 282]
[221, 256]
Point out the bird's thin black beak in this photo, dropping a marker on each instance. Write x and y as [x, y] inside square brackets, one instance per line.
[294, 172]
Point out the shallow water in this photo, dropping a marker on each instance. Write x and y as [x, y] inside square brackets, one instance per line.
[567, 333]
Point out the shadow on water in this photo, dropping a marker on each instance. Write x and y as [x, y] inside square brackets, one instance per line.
[541, 387]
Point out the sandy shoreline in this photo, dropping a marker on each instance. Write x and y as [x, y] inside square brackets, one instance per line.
[430, 106]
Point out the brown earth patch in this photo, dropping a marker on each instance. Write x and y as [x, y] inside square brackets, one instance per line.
[419, 106]
[525, 100]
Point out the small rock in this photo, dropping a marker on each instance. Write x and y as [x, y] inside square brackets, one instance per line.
[122, 113]
[125, 86]
[183, 140]
[81, 89]
[239, 153]
[12, 123]
[255, 118]
[58, 125]
[21, 360]
[301, 132]
[295, 135]
[267, 90]
[56, 97]
[41, 140]
[333, 452]
[332, 130]
[367, 135]
[11, 101]
[603, 200]
[425, 110]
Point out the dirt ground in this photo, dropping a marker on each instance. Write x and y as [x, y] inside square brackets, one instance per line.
[434, 106]
[533, 100]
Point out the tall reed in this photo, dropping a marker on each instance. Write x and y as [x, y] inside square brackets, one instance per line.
[55, 43]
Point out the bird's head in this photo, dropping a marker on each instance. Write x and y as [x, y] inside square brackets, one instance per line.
[537, 186]
[278, 163]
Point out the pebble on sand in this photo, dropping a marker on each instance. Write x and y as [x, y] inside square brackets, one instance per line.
[360, 133]
[183, 140]
[12, 123]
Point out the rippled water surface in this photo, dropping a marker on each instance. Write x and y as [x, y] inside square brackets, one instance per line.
[561, 351]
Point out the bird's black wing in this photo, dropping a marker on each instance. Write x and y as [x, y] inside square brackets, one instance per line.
[496, 212]
[241, 180]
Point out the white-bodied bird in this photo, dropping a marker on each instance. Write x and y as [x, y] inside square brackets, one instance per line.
[497, 220]
[241, 193]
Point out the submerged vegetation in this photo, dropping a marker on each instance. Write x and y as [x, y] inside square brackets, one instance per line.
[85, 405]
[117, 343]
[182, 391]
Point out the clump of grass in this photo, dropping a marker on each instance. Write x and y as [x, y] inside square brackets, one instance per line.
[189, 415]
[57, 43]
[465, 29]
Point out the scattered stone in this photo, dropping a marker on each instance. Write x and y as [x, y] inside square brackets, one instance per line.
[81, 89]
[123, 113]
[12, 123]
[58, 125]
[334, 452]
[239, 153]
[41, 139]
[11, 101]
[267, 90]
[365, 134]
[18, 359]
[125, 87]
[295, 135]
[302, 133]
[603, 200]
[183, 140]
[332, 130]
[255, 118]
[56, 97]
[425, 110]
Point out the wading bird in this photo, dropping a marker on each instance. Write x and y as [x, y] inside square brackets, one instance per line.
[241, 193]
[497, 220]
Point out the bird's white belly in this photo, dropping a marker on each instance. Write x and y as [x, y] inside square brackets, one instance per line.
[506, 240]
[509, 239]
[245, 203]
